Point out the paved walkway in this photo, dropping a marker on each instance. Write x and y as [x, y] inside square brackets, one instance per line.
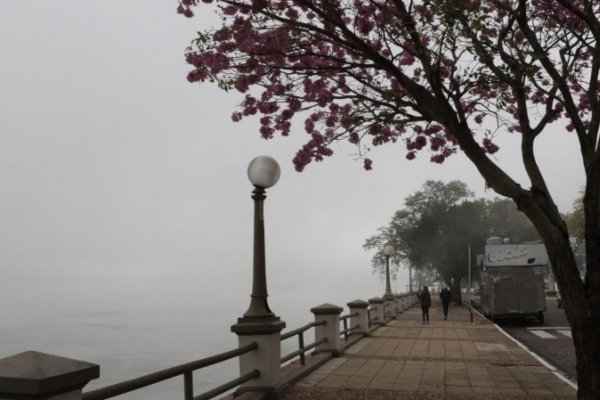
[453, 359]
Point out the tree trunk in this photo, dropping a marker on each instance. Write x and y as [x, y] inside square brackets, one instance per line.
[586, 325]
[581, 302]
[586, 338]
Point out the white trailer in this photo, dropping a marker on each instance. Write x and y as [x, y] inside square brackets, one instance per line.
[512, 280]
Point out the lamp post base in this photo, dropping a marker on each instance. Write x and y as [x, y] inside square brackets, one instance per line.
[257, 326]
[266, 332]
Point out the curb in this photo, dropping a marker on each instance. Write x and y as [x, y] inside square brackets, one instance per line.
[545, 363]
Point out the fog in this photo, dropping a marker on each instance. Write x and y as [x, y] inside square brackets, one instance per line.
[124, 187]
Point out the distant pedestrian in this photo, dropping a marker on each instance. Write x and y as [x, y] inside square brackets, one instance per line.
[445, 296]
[425, 299]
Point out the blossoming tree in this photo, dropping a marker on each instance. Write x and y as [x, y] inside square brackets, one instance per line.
[439, 76]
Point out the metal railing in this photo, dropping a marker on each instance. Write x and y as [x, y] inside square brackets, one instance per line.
[301, 348]
[347, 331]
[372, 320]
[184, 369]
[289, 375]
[386, 310]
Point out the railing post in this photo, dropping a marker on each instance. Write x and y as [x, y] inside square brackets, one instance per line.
[377, 306]
[404, 299]
[398, 304]
[362, 319]
[390, 303]
[39, 376]
[408, 301]
[266, 332]
[331, 330]
[301, 346]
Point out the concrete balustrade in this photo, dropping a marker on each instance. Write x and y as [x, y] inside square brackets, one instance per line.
[405, 302]
[266, 332]
[409, 300]
[398, 304]
[377, 312]
[389, 309]
[397, 307]
[330, 314]
[361, 320]
[39, 376]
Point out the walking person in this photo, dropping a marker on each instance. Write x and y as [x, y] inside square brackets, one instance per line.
[425, 299]
[445, 296]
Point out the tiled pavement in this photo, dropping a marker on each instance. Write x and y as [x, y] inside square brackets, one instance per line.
[453, 359]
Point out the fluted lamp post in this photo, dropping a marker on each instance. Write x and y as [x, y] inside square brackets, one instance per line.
[264, 173]
[388, 250]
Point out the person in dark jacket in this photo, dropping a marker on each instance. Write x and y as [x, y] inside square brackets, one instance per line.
[445, 296]
[425, 299]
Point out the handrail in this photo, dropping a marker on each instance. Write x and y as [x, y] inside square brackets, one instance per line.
[348, 331]
[344, 319]
[304, 328]
[346, 316]
[373, 321]
[301, 348]
[229, 385]
[183, 369]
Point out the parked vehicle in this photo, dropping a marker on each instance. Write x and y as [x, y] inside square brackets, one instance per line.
[476, 298]
[512, 281]
[559, 300]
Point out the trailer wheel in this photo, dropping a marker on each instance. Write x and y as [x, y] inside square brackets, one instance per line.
[540, 316]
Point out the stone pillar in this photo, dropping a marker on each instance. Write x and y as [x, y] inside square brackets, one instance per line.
[377, 310]
[266, 332]
[362, 319]
[389, 303]
[331, 330]
[398, 304]
[405, 302]
[412, 300]
[38, 376]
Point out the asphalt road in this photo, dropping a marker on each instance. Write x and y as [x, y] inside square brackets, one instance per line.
[551, 340]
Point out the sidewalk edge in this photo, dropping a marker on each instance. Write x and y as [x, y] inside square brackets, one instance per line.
[545, 363]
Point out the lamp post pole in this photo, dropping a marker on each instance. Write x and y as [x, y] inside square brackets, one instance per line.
[263, 173]
[388, 251]
[258, 299]
[259, 325]
[469, 256]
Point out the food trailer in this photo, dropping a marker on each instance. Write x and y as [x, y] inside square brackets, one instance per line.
[512, 280]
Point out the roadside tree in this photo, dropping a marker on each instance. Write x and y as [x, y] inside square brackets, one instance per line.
[440, 75]
[437, 224]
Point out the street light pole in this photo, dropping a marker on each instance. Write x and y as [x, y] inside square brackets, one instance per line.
[470, 290]
[388, 251]
[263, 172]
[469, 251]
[259, 327]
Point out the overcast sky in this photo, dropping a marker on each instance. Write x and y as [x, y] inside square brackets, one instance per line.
[122, 185]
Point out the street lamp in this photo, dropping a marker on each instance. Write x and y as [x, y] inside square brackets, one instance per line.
[388, 251]
[264, 173]
[259, 327]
